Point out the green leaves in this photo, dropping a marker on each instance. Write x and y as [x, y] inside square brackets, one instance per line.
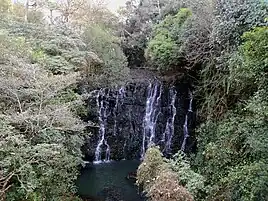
[233, 152]
[194, 182]
[34, 168]
[239, 140]
[233, 18]
[164, 48]
[227, 42]
[111, 65]
[255, 50]
[150, 168]
[247, 182]
[161, 180]
[40, 136]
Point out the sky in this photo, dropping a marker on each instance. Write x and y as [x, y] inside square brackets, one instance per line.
[113, 5]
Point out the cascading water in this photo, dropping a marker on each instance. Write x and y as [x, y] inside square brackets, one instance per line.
[102, 111]
[118, 101]
[133, 117]
[169, 130]
[152, 112]
[185, 125]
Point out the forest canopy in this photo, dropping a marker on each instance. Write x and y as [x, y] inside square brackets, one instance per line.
[46, 68]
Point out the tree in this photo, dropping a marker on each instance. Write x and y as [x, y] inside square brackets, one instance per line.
[167, 188]
[234, 149]
[164, 48]
[228, 25]
[105, 45]
[40, 134]
[137, 29]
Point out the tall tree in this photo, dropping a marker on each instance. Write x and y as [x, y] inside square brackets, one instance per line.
[137, 29]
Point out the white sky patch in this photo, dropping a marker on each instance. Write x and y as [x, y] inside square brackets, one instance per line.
[114, 5]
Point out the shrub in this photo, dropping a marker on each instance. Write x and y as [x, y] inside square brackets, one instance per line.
[194, 182]
[167, 188]
[158, 180]
[221, 84]
[150, 168]
[233, 18]
[255, 51]
[245, 183]
[234, 151]
[40, 137]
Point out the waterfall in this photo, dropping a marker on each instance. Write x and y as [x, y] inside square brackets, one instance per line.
[152, 112]
[133, 117]
[102, 112]
[185, 125]
[118, 101]
[169, 130]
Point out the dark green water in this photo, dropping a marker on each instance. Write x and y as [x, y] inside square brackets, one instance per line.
[107, 181]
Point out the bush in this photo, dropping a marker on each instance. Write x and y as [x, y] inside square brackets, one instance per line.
[236, 143]
[167, 188]
[234, 150]
[158, 180]
[238, 74]
[46, 169]
[194, 182]
[57, 49]
[220, 74]
[233, 18]
[150, 168]
[245, 183]
[255, 51]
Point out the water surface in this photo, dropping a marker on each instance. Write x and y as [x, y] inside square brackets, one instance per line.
[107, 181]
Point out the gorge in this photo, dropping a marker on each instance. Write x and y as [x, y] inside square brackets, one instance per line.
[164, 100]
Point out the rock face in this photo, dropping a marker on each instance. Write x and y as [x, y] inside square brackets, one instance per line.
[133, 117]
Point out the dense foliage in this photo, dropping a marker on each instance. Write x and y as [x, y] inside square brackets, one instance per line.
[223, 45]
[43, 71]
[158, 180]
[141, 16]
[40, 133]
[113, 64]
[164, 48]
[49, 61]
[239, 154]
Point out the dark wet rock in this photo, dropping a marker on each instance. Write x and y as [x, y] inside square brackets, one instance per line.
[132, 176]
[125, 139]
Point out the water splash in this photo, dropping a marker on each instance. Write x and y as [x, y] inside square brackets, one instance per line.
[152, 112]
[169, 130]
[185, 125]
[102, 111]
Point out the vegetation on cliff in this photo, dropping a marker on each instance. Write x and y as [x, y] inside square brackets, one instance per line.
[49, 63]
[45, 69]
[222, 45]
